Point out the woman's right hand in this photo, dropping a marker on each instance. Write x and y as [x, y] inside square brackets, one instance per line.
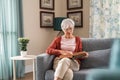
[67, 54]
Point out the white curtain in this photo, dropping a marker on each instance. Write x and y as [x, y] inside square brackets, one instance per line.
[105, 18]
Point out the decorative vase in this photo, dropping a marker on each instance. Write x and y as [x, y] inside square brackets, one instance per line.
[23, 53]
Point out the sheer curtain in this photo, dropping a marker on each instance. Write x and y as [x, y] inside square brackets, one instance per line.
[105, 18]
[10, 30]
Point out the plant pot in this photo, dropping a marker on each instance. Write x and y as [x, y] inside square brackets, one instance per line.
[23, 53]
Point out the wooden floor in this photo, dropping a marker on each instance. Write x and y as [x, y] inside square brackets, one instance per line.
[28, 76]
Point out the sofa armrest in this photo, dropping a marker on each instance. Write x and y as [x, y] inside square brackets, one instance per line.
[44, 62]
[105, 74]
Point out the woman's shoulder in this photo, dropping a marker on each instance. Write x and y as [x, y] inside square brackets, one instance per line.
[78, 38]
[58, 38]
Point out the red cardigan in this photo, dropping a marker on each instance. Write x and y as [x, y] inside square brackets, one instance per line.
[55, 46]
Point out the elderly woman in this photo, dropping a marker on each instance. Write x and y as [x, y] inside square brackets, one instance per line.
[64, 47]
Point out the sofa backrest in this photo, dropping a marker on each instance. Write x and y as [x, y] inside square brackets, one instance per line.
[91, 44]
[99, 52]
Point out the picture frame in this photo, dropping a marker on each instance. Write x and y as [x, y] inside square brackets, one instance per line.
[46, 19]
[77, 17]
[74, 4]
[47, 4]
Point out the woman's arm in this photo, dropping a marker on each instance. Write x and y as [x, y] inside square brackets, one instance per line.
[84, 53]
[52, 49]
[67, 54]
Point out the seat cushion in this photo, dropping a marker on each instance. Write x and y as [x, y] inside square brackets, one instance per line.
[96, 59]
[81, 75]
[78, 75]
[49, 75]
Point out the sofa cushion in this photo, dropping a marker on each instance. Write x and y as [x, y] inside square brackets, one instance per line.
[81, 75]
[91, 44]
[96, 59]
[78, 75]
[49, 75]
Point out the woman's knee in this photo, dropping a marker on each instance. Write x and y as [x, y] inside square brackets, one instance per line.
[65, 60]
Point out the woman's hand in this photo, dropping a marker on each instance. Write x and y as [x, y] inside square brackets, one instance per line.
[64, 54]
[86, 54]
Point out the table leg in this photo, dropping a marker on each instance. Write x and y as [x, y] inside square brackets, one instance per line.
[33, 69]
[14, 70]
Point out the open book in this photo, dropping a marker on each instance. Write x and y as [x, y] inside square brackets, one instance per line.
[76, 55]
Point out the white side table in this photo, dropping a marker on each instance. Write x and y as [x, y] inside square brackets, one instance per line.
[28, 57]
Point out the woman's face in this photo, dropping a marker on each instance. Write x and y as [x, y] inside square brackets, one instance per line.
[68, 31]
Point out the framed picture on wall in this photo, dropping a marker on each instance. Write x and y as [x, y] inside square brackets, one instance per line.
[74, 4]
[46, 19]
[77, 17]
[47, 4]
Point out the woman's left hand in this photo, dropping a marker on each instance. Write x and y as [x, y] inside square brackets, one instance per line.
[67, 54]
[86, 53]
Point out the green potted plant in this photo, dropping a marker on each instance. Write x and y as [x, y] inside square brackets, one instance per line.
[23, 45]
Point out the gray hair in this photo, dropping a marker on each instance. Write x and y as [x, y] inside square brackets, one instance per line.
[67, 23]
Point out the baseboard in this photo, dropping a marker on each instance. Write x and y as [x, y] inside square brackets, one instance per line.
[28, 68]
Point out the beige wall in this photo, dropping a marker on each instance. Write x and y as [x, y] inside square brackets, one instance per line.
[40, 38]
[60, 8]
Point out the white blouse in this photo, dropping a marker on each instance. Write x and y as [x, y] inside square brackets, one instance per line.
[68, 44]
